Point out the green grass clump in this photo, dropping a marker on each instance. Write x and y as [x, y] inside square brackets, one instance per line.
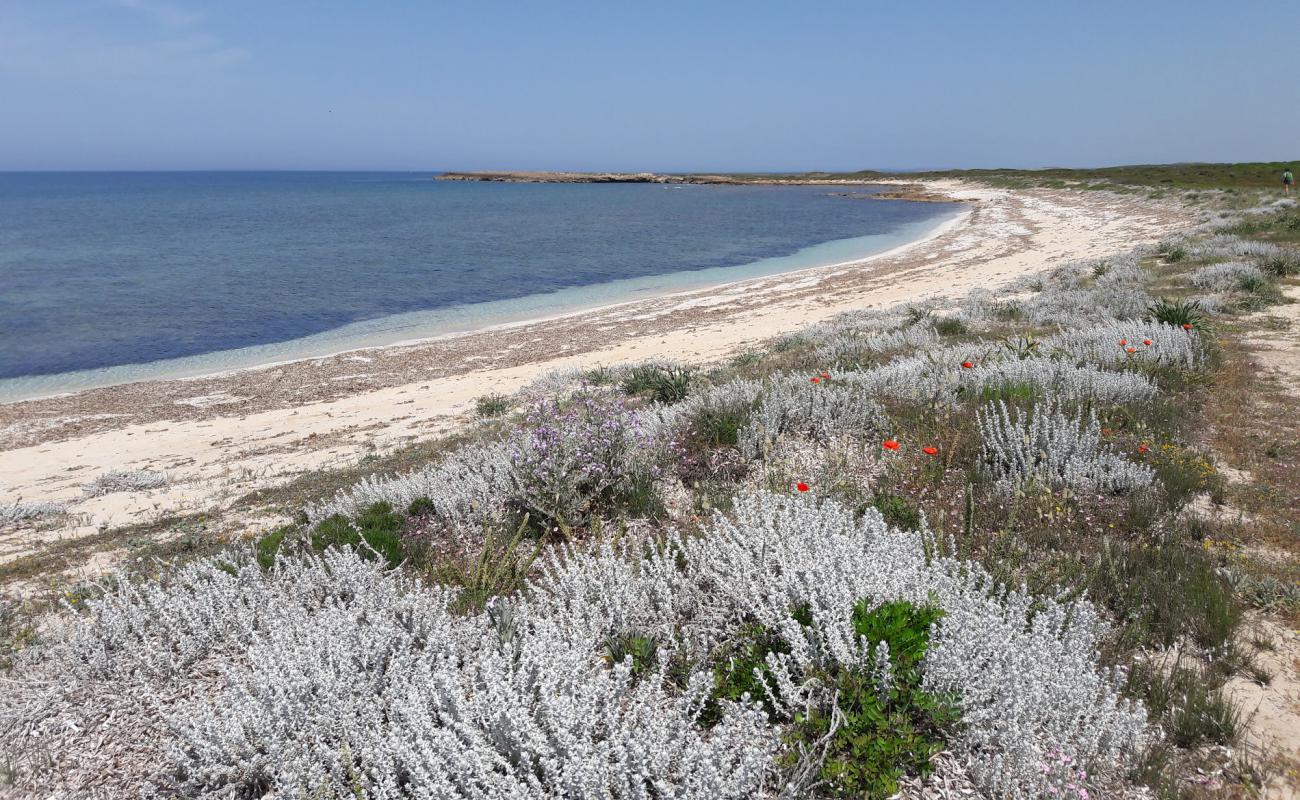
[1187, 700]
[950, 326]
[644, 651]
[499, 571]
[1281, 265]
[1163, 592]
[664, 385]
[378, 527]
[491, 405]
[266, 548]
[1177, 312]
[898, 511]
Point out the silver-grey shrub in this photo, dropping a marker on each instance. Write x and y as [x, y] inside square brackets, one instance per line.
[342, 679]
[26, 512]
[793, 405]
[1051, 447]
[468, 487]
[1059, 378]
[125, 480]
[852, 346]
[1226, 276]
[1099, 345]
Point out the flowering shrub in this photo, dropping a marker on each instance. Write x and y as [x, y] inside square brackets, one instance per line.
[1050, 447]
[575, 458]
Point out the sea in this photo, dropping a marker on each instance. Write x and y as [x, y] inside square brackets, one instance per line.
[109, 277]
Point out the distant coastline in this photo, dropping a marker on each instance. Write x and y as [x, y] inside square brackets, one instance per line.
[901, 190]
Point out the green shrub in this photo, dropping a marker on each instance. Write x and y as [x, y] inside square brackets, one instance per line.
[492, 405]
[736, 674]
[378, 527]
[1261, 291]
[420, 507]
[950, 326]
[1177, 312]
[898, 511]
[1173, 253]
[883, 733]
[266, 548]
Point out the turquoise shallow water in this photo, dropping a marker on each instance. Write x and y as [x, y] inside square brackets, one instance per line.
[107, 278]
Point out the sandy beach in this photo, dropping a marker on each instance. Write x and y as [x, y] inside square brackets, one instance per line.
[222, 436]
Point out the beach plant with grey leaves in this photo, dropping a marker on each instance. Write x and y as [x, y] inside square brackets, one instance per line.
[342, 677]
[1052, 447]
[125, 480]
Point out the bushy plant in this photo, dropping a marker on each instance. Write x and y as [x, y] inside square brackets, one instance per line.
[125, 480]
[1283, 264]
[1187, 699]
[492, 405]
[1229, 275]
[467, 489]
[341, 676]
[1164, 593]
[882, 724]
[27, 512]
[1177, 312]
[663, 383]
[1048, 446]
[795, 405]
[574, 459]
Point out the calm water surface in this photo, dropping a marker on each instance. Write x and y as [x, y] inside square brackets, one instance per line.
[101, 270]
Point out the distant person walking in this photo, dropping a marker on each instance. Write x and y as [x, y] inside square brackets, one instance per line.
[1288, 180]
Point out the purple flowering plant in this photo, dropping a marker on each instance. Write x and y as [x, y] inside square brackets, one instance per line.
[577, 457]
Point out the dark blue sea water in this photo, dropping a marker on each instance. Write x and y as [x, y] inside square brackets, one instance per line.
[99, 270]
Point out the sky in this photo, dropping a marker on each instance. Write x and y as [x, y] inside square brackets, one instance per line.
[664, 85]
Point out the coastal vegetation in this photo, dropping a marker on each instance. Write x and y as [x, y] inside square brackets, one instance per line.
[1000, 543]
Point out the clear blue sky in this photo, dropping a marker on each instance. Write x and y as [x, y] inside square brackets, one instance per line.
[664, 85]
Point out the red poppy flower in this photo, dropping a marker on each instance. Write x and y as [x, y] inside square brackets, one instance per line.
[826, 376]
[801, 486]
[1123, 342]
[815, 380]
[930, 451]
[1132, 350]
[890, 444]
[1142, 448]
[966, 365]
[1187, 326]
[1146, 342]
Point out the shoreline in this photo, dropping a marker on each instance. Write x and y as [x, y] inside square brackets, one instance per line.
[220, 437]
[156, 371]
